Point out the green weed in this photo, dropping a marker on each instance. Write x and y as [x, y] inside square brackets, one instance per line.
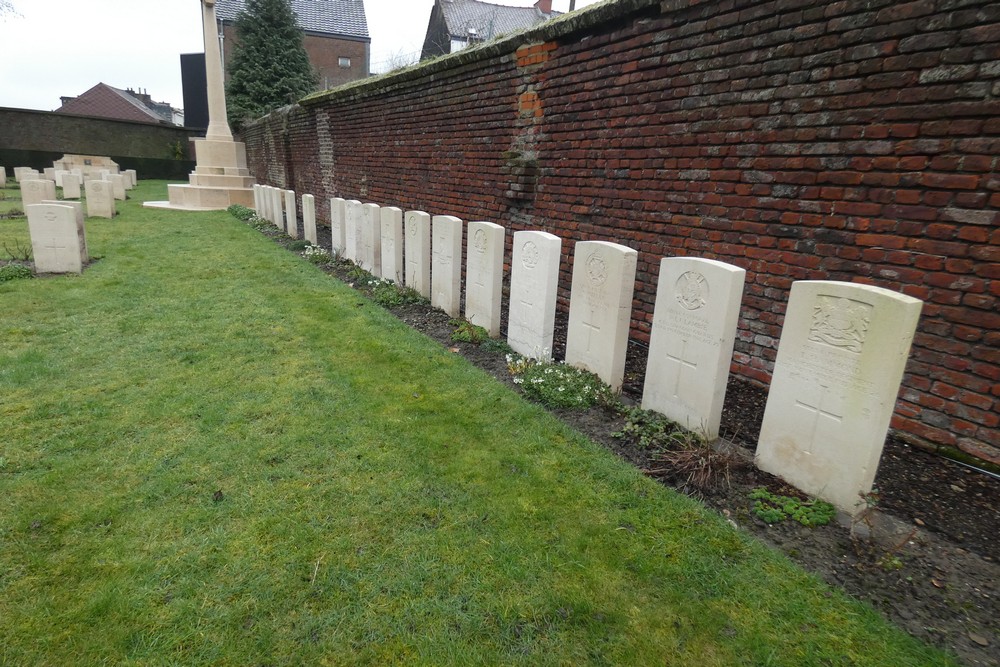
[241, 212]
[467, 332]
[559, 385]
[651, 430]
[14, 272]
[774, 508]
[317, 254]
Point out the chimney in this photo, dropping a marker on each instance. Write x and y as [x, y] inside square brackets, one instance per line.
[544, 6]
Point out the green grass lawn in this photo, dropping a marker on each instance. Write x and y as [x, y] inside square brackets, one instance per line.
[10, 199]
[382, 501]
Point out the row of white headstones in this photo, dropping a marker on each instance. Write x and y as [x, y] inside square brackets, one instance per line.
[103, 188]
[840, 360]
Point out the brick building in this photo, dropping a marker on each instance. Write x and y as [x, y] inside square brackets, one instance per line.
[456, 24]
[336, 36]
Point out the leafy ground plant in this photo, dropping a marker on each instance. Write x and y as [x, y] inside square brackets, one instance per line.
[14, 272]
[679, 455]
[467, 332]
[652, 430]
[773, 508]
[241, 212]
[384, 292]
[316, 254]
[559, 385]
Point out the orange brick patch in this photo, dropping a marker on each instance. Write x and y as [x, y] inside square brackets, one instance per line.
[534, 54]
[529, 104]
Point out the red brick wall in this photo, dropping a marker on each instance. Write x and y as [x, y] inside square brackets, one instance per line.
[853, 140]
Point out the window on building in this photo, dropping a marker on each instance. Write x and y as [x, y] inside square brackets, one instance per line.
[345, 62]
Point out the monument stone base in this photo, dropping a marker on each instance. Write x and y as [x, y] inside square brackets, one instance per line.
[220, 179]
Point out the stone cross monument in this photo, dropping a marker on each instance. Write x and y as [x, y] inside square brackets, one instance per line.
[218, 119]
[221, 177]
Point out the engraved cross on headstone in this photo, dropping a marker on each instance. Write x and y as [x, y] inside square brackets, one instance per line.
[441, 258]
[682, 363]
[818, 412]
[53, 244]
[591, 330]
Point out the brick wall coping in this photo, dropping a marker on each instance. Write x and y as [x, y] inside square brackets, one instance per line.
[559, 27]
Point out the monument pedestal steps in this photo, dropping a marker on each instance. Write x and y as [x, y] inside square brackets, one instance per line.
[220, 179]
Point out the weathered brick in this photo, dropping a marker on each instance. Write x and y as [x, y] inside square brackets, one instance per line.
[969, 216]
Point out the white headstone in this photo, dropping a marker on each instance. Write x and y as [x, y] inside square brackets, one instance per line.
[269, 206]
[484, 276]
[256, 198]
[534, 286]
[840, 362]
[278, 207]
[3, 176]
[370, 240]
[691, 345]
[291, 215]
[117, 182]
[392, 244]
[309, 219]
[265, 203]
[55, 238]
[133, 178]
[418, 252]
[338, 227]
[34, 191]
[49, 174]
[352, 227]
[78, 210]
[71, 186]
[100, 199]
[600, 309]
[446, 264]
[26, 174]
[59, 177]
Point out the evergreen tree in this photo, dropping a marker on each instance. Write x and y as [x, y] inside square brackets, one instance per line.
[269, 67]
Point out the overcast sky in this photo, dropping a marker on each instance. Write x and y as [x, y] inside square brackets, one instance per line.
[65, 47]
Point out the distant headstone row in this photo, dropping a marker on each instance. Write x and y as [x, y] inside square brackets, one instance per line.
[98, 177]
[840, 359]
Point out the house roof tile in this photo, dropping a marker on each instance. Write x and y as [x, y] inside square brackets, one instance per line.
[335, 17]
[489, 20]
